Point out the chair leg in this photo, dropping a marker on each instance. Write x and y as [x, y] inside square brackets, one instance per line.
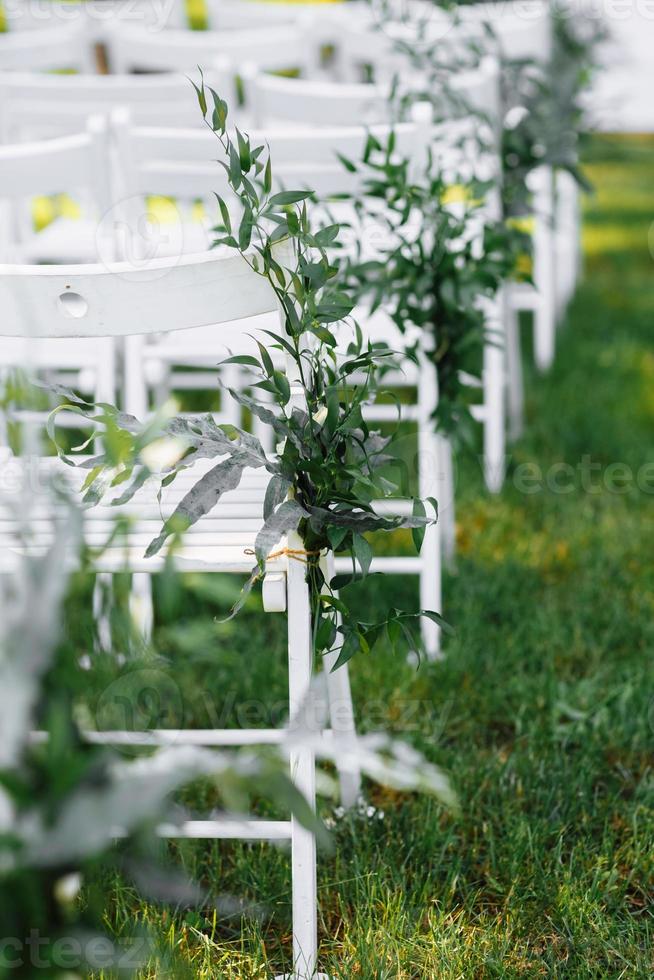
[141, 606]
[446, 502]
[431, 483]
[303, 773]
[515, 387]
[135, 389]
[544, 269]
[101, 588]
[494, 376]
[431, 597]
[341, 711]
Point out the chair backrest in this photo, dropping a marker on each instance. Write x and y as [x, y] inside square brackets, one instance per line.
[272, 48]
[181, 163]
[366, 47]
[311, 103]
[57, 165]
[33, 105]
[60, 46]
[77, 165]
[523, 27]
[115, 300]
[29, 15]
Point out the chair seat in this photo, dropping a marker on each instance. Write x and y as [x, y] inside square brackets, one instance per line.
[222, 541]
[64, 240]
[70, 240]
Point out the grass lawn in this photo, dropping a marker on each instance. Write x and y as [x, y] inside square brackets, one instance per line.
[542, 711]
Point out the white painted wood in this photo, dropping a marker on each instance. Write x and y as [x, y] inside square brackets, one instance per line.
[114, 300]
[494, 378]
[77, 165]
[430, 486]
[544, 267]
[567, 242]
[224, 288]
[303, 842]
[341, 710]
[59, 46]
[270, 830]
[36, 105]
[515, 386]
[269, 47]
[275, 99]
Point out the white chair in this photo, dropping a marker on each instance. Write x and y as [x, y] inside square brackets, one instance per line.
[151, 15]
[523, 28]
[524, 32]
[517, 31]
[76, 164]
[36, 106]
[297, 101]
[71, 163]
[272, 48]
[94, 302]
[276, 100]
[62, 46]
[173, 163]
[30, 15]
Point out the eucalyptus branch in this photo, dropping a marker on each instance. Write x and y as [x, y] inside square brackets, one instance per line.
[325, 475]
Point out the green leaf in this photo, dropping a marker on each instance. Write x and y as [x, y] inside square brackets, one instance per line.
[245, 229]
[200, 92]
[283, 387]
[247, 359]
[224, 214]
[362, 552]
[220, 111]
[351, 645]
[243, 151]
[418, 533]
[288, 197]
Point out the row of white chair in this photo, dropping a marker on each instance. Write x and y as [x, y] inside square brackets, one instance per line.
[178, 163]
[95, 304]
[521, 32]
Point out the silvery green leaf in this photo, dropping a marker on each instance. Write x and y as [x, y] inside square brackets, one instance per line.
[200, 499]
[276, 492]
[362, 520]
[137, 482]
[286, 518]
[263, 414]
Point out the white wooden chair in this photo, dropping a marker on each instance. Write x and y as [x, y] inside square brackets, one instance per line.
[61, 46]
[518, 31]
[76, 164]
[297, 101]
[95, 302]
[29, 15]
[306, 102]
[271, 48]
[524, 31]
[48, 167]
[179, 164]
[41, 105]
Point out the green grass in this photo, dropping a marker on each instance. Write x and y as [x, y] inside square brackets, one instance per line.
[542, 711]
